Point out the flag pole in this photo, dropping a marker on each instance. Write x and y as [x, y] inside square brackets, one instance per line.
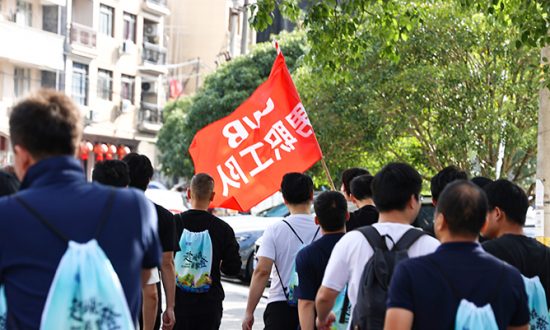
[325, 167]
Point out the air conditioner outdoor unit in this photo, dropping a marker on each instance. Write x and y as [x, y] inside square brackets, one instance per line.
[150, 30]
[149, 87]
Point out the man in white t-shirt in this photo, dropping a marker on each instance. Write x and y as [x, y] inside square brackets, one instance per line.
[280, 245]
[396, 194]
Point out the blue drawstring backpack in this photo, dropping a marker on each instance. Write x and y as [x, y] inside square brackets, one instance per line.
[293, 282]
[469, 317]
[86, 292]
[342, 311]
[3, 309]
[194, 262]
[538, 309]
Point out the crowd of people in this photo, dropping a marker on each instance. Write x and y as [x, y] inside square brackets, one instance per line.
[327, 268]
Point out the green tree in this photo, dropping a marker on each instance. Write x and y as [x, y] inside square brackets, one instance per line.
[462, 93]
[223, 91]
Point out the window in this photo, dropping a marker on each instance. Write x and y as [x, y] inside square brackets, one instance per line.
[21, 81]
[23, 14]
[128, 86]
[80, 83]
[48, 79]
[129, 27]
[50, 18]
[105, 84]
[106, 18]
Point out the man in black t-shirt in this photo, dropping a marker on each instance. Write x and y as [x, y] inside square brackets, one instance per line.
[361, 195]
[331, 214]
[141, 172]
[508, 205]
[197, 311]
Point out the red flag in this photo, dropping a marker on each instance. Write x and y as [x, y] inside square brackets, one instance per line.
[248, 152]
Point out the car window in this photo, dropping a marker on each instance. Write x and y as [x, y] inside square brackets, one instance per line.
[276, 211]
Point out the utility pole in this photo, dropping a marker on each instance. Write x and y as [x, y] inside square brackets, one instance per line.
[543, 150]
[244, 34]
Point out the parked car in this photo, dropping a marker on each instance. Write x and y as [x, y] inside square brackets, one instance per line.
[248, 228]
[170, 200]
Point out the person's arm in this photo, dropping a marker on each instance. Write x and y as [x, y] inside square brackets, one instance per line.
[307, 277]
[149, 307]
[306, 312]
[231, 259]
[398, 319]
[168, 274]
[323, 305]
[145, 275]
[257, 287]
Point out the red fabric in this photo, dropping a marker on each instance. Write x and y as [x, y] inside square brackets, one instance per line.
[248, 152]
[175, 88]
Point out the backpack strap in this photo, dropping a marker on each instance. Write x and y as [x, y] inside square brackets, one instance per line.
[295, 233]
[281, 281]
[408, 239]
[104, 216]
[316, 232]
[373, 237]
[43, 220]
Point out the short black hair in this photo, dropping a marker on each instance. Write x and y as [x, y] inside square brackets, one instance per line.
[464, 206]
[112, 173]
[9, 184]
[297, 188]
[331, 209]
[349, 175]
[508, 197]
[444, 177]
[141, 170]
[47, 124]
[394, 185]
[481, 181]
[202, 186]
[361, 187]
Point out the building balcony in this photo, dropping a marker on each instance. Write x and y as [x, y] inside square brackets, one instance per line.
[20, 45]
[158, 7]
[154, 58]
[149, 118]
[83, 40]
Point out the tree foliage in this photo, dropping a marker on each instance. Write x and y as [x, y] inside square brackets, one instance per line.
[462, 93]
[223, 91]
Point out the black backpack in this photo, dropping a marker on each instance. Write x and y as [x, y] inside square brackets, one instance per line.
[370, 309]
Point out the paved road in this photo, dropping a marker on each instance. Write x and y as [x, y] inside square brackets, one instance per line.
[234, 305]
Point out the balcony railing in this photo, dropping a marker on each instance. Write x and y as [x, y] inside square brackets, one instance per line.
[83, 35]
[154, 54]
[158, 7]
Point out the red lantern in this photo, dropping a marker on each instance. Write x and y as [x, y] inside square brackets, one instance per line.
[111, 150]
[122, 151]
[98, 151]
[85, 150]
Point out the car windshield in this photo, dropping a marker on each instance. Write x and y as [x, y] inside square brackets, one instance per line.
[276, 211]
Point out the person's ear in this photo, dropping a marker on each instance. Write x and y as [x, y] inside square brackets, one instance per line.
[23, 160]
[316, 220]
[413, 201]
[212, 196]
[189, 193]
[499, 214]
[347, 216]
[434, 202]
[440, 223]
[353, 199]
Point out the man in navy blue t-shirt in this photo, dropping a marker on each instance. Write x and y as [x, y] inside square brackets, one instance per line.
[425, 292]
[331, 214]
[45, 130]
